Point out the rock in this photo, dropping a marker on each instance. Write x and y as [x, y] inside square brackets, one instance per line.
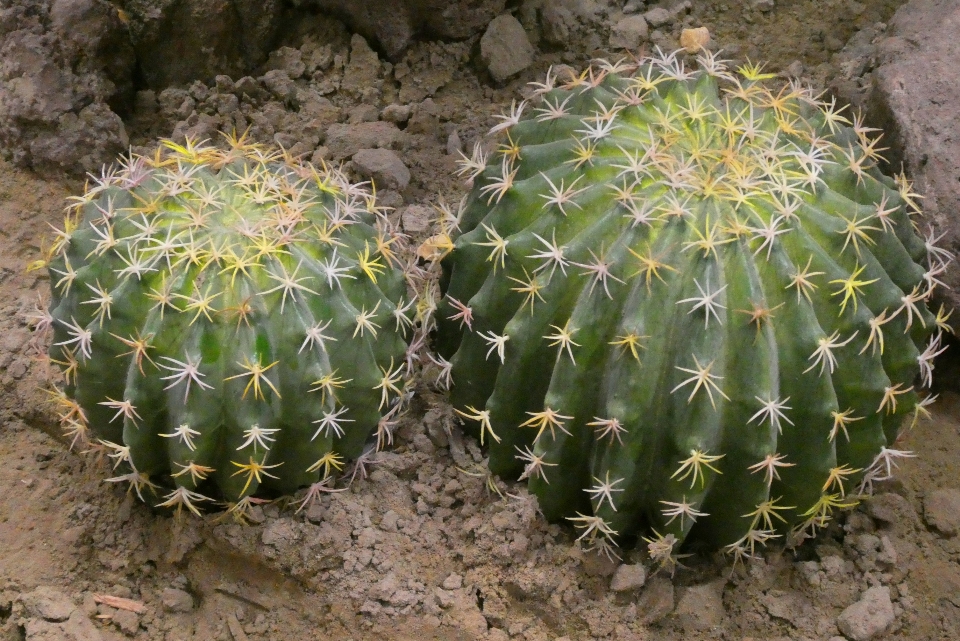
[454, 144]
[870, 616]
[629, 33]
[48, 604]
[77, 628]
[396, 114]
[557, 23]
[286, 59]
[892, 509]
[384, 167]
[656, 601]
[176, 600]
[628, 577]
[505, 48]
[915, 102]
[701, 606]
[657, 17]
[128, 622]
[416, 219]
[763, 5]
[344, 141]
[453, 582]
[280, 532]
[794, 69]
[362, 113]
[361, 77]
[941, 511]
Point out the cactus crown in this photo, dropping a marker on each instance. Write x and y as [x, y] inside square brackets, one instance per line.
[226, 321]
[684, 299]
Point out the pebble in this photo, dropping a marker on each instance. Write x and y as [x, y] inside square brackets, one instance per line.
[868, 617]
[505, 48]
[48, 604]
[701, 606]
[127, 621]
[176, 600]
[453, 582]
[693, 40]
[629, 32]
[384, 167]
[656, 601]
[657, 17]
[396, 114]
[628, 577]
[941, 511]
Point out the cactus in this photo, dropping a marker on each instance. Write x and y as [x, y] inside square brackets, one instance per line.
[227, 322]
[683, 302]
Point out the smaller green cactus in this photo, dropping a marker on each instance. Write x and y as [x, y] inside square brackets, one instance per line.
[684, 303]
[228, 323]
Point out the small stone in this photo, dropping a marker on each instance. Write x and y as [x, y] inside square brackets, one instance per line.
[175, 600]
[794, 69]
[763, 5]
[396, 114]
[941, 511]
[384, 167]
[870, 616]
[454, 144]
[362, 113]
[315, 512]
[416, 219]
[693, 40]
[127, 621]
[656, 601]
[657, 17]
[701, 606]
[453, 582]
[628, 577]
[505, 48]
[345, 140]
[48, 604]
[629, 33]
[389, 521]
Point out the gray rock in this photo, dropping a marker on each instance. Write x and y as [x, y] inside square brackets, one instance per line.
[629, 33]
[176, 600]
[557, 23]
[870, 616]
[656, 601]
[657, 17]
[700, 607]
[344, 141]
[48, 604]
[286, 59]
[362, 113]
[505, 48]
[453, 582]
[892, 509]
[916, 103]
[941, 511]
[762, 5]
[628, 577]
[384, 167]
[454, 144]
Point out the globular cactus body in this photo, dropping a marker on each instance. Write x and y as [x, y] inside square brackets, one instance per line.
[227, 320]
[681, 299]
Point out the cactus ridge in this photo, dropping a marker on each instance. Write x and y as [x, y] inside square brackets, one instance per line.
[682, 301]
[227, 321]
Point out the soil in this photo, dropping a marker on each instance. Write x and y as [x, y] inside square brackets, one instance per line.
[422, 544]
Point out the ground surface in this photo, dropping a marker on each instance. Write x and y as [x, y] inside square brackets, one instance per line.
[422, 548]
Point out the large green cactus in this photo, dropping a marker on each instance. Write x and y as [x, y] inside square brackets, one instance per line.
[683, 300]
[226, 321]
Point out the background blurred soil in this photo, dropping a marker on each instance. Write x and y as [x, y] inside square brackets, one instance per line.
[422, 547]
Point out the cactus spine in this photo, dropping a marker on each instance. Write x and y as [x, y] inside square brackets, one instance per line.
[227, 321]
[684, 302]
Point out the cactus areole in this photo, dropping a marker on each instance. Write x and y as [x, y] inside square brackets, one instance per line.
[686, 302]
[226, 321]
